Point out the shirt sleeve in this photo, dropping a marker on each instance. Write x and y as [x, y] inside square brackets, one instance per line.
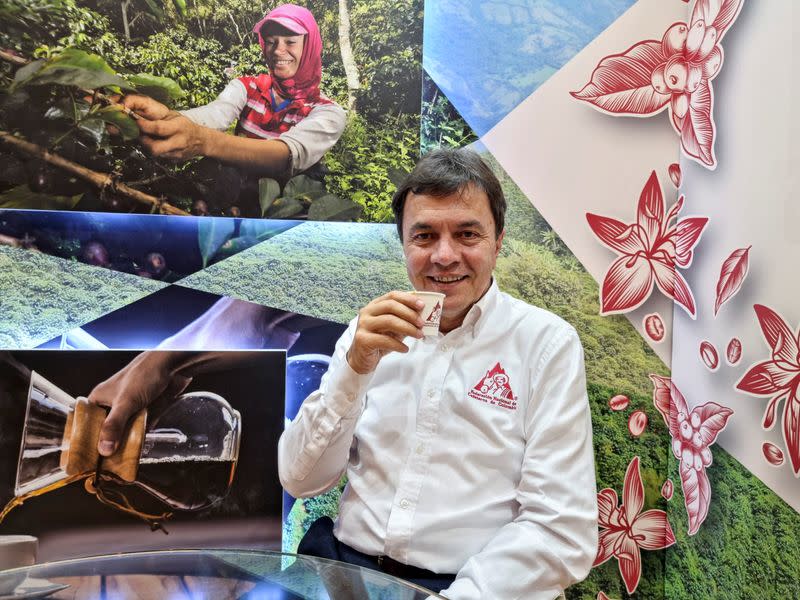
[552, 541]
[314, 448]
[223, 111]
[311, 138]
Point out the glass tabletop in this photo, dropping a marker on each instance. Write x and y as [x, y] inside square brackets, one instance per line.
[204, 574]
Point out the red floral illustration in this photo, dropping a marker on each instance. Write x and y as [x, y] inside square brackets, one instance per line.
[674, 171]
[649, 250]
[734, 351]
[625, 530]
[667, 489]
[653, 326]
[709, 355]
[731, 276]
[779, 378]
[675, 72]
[692, 433]
[772, 453]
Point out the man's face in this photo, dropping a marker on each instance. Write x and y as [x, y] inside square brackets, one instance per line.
[450, 247]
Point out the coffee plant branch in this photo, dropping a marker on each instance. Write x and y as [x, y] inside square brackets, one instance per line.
[103, 181]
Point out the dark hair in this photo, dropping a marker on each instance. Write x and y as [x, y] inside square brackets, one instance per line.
[447, 171]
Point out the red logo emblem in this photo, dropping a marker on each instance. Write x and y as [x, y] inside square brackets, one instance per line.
[436, 314]
[495, 389]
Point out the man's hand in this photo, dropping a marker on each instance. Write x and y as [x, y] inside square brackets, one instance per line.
[131, 389]
[382, 324]
[166, 133]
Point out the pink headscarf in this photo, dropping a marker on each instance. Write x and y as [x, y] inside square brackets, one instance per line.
[305, 83]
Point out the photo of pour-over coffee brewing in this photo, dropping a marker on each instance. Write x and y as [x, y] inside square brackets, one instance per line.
[190, 459]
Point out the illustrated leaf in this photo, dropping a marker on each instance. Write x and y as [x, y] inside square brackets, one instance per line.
[163, 89]
[621, 83]
[303, 186]
[791, 431]
[696, 495]
[284, 208]
[212, 233]
[77, 68]
[333, 208]
[268, 191]
[115, 115]
[713, 419]
[731, 276]
[697, 127]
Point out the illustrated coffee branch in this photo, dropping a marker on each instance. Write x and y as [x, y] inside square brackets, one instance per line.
[103, 181]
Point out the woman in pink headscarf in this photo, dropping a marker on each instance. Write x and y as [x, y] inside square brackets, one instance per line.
[285, 124]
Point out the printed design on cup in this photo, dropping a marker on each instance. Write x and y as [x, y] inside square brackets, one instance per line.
[495, 389]
[435, 315]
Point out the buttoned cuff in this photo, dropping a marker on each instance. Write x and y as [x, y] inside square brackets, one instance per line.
[346, 389]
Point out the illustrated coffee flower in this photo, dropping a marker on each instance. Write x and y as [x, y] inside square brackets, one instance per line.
[649, 250]
[625, 530]
[709, 355]
[734, 351]
[772, 453]
[653, 327]
[637, 423]
[619, 402]
[667, 489]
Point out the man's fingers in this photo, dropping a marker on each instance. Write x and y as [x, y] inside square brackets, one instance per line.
[390, 324]
[112, 429]
[383, 342]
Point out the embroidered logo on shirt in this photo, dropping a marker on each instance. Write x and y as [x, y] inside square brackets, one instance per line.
[495, 389]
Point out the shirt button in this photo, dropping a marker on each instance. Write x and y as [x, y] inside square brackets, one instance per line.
[404, 503]
[445, 348]
[420, 449]
[431, 393]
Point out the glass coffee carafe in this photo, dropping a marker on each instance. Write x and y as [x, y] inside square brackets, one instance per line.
[184, 456]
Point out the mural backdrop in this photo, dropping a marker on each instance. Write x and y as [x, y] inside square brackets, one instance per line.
[646, 152]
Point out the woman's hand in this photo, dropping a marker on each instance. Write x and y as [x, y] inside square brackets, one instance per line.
[165, 132]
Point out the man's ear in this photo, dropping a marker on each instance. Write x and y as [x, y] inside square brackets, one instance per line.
[499, 243]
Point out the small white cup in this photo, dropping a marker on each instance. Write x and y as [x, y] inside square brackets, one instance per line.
[431, 312]
[15, 551]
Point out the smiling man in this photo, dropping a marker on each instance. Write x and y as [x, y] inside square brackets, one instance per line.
[468, 454]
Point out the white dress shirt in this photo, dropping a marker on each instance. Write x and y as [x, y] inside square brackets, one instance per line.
[453, 469]
[308, 141]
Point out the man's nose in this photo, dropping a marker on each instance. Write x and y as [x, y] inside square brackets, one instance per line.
[445, 252]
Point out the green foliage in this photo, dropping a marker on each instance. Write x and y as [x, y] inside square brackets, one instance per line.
[67, 295]
[746, 546]
[325, 270]
[441, 125]
[195, 64]
[304, 194]
[615, 353]
[360, 166]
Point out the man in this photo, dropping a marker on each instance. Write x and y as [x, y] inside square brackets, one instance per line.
[482, 492]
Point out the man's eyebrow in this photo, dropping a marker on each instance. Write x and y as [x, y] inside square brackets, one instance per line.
[421, 226]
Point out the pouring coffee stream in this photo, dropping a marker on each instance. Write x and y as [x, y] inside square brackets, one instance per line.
[185, 456]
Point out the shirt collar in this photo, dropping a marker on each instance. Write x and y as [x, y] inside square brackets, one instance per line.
[475, 318]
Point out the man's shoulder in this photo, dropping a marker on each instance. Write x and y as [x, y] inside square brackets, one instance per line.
[525, 315]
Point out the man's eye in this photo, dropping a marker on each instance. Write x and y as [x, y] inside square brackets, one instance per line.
[421, 237]
[469, 234]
